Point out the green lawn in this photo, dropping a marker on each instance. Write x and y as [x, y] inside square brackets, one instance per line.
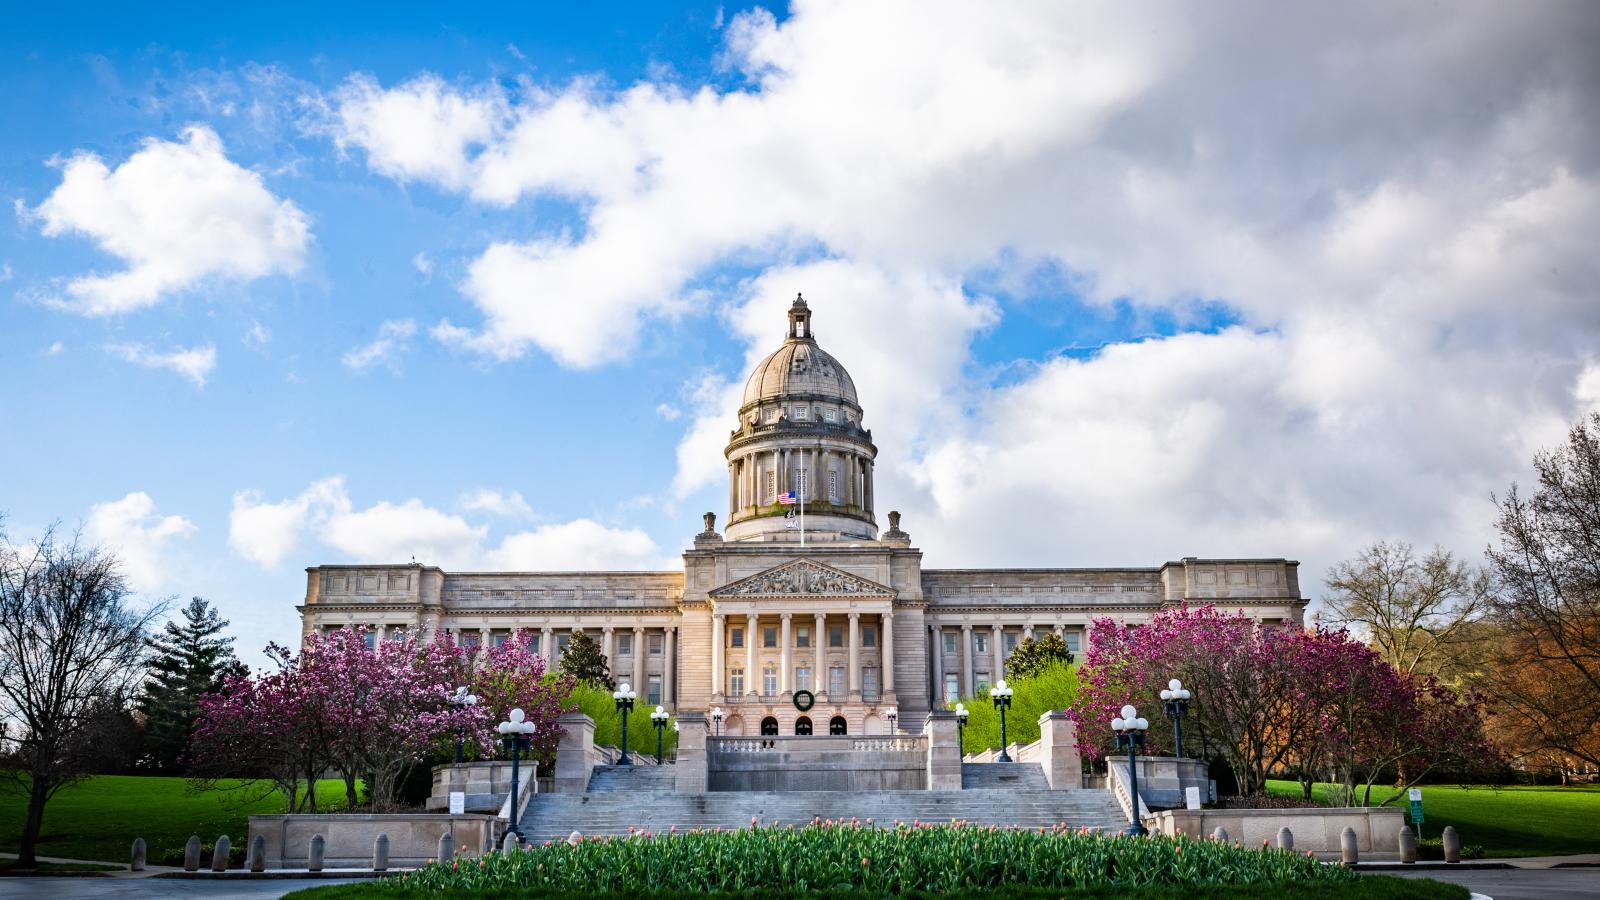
[100, 817]
[1506, 821]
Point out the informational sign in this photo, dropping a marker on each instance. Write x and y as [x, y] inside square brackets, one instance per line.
[1191, 796]
[1415, 795]
[458, 803]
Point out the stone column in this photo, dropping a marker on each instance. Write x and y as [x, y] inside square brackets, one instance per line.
[382, 632]
[719, 683]
[1059, 630]
[689, 773]
[750, 684]
[999, 654]
[669, 670]
[1058, 745]
[638, 659]
[786, 668]
[847, 491]
[866, 484]
[886, 650]
[733, 488]
[853, 670]
[574, 754]
[819, 672]
[1027, 631]
[547, 648]
[966, 660]
[608, 646]
[937, 634]
[783, 473]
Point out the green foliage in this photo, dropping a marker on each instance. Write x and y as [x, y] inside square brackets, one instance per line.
[190, 658]
[598, 705]
[874, 860]
[98, 818]
[583, 660]
[1036, 654]
[1525, 820]
[237, 851]
[1055, 687]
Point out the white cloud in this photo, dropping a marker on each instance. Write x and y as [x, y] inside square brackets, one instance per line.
[132, 529]
[423, 264]
[668, 411]
[193, 363]
[55, 348]
[393, 341]
[5, 272]
[268, 532]
[258, 337]
[175, 213]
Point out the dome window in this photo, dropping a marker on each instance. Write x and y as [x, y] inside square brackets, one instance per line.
[828, 415]
[800, 413]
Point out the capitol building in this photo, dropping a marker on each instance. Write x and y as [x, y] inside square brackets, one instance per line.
[818, 631]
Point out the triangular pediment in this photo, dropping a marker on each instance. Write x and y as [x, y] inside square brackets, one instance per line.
[802, 577]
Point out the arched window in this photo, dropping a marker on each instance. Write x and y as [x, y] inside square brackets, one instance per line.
[769, 726]
[836, 725]
[802, 725]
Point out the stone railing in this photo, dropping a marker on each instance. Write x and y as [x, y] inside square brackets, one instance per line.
[1117, 784]
[829, 743]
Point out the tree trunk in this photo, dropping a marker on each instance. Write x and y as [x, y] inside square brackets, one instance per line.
[32, 823]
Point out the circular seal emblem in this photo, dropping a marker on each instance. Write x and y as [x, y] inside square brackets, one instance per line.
[804, 700]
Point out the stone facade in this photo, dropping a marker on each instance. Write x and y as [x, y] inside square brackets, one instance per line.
[767, 610]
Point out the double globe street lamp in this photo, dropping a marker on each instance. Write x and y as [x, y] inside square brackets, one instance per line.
[1176, 700]
[517, 733]
[961, 728]
[462, 698]
[625, 695]
[716, 718]
[1001, 695]
[893, 714]
[659, 719]
[1130, 731]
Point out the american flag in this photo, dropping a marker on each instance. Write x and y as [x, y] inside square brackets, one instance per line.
[788, 499]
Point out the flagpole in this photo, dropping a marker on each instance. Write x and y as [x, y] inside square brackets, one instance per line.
[804, 486]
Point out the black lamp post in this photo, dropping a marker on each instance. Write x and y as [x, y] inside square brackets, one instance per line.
[1130, 731]
[659, 719]
[1176, 700]
[716, 718]
[1001, 695]
[625, 695]
[961, 728]
[515, 732]
[894, 714]
[462, 698]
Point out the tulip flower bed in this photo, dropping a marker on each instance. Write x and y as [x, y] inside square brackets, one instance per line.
[868, 859]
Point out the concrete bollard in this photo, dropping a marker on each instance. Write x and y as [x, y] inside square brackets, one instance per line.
[219, 854]
[137, 865]
[510, 843]
[447, 846]
[1408, 844]
[1349, 849]
[1220, 834]
[1452, 844]
[314, 859]
[1285, 838]
[258, 854]
[380, 853]
[191, 854]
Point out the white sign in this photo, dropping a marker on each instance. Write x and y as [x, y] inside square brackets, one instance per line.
[458, 803]
[1191, 797]
[1415, 795]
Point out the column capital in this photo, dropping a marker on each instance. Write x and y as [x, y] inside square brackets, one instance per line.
[787, 616]
[854, 616]
[606, 629]
[966, 627]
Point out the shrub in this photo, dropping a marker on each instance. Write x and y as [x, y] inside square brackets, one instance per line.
[174, 856]
[1433, 848]
[1055, 687]
[598, 705]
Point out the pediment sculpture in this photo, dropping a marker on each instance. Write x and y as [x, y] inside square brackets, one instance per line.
[803, 577]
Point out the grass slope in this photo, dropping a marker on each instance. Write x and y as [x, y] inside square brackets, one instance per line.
[1506, 821]
[99, 818]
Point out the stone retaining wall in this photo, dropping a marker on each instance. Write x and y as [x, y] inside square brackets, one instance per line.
[413, 837]
[1377, 829]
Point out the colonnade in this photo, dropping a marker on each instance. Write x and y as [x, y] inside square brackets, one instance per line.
[747, 477]
[853, 648]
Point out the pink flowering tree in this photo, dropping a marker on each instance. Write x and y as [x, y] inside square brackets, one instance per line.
[511, 676]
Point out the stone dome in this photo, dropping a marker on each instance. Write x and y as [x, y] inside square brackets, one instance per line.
[799, 368]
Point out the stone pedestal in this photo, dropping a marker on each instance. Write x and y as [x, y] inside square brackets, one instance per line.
[574, 755]
[1058, 751]
[486, 785]
[689, 772]
[944, 752]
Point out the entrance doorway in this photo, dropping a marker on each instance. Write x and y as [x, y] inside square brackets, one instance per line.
[802, 725]
[769, 726]
[836, 725]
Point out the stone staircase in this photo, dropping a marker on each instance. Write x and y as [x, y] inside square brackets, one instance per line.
[554, 816]
[607, 779]
[1018, 775]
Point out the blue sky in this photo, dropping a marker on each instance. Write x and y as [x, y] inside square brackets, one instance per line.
[1118, 285]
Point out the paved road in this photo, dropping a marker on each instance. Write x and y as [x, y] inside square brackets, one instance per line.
[151, 888]
[1521, 884]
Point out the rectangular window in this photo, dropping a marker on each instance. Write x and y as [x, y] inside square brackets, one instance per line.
[829, 415]
[769, 681]
[769, 636]
[952, 688]
[980, 683]
[370, 638]
[534, 643]
[654, 641]
[802, 636]
[802, 678]
[1011, 640]
[772, 487]
[833, 486]
[1073, 637]
[835, 635]
[869, 681]
[949, 642]
[869, 636]
[470, 640]
[736, 636]
[836, 682]
[624, 645]
[981, 643]
[561, 641]
[652, 691]
[499, 638]
[800, 413]
[736, 682]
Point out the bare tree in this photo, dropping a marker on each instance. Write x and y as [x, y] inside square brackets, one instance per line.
[1414, 612]
[1547, 600]
[71, 655]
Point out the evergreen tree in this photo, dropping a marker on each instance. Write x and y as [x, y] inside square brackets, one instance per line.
[583, 660]
[1036, 654]
[190, 659]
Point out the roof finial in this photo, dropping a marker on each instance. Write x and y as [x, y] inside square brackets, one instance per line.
[799, 300]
